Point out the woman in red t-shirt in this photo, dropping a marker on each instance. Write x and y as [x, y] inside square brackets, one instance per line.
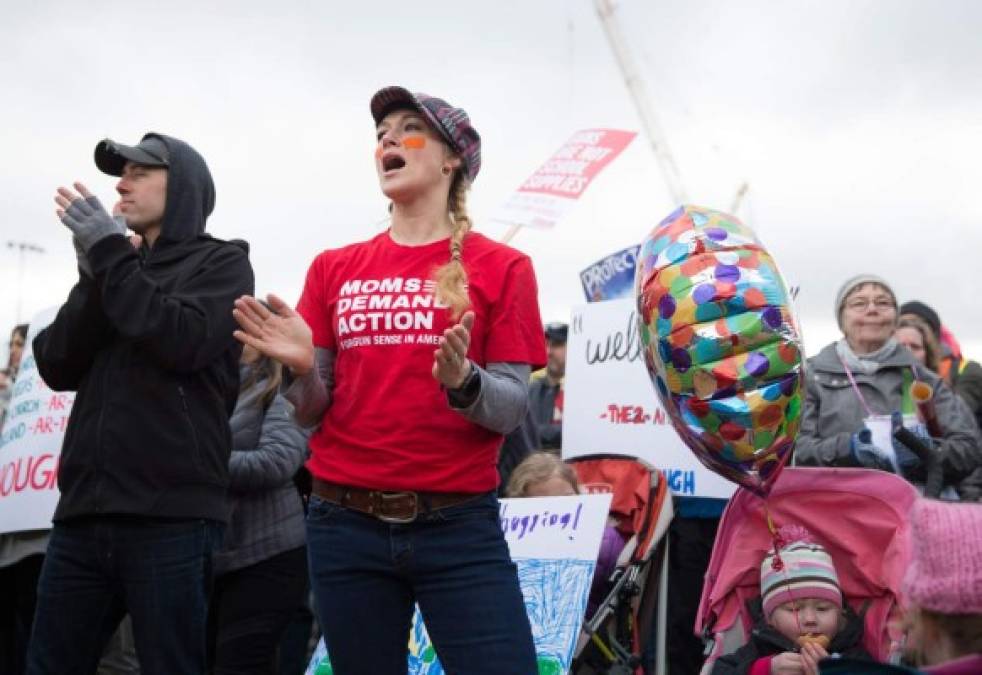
[412, 352]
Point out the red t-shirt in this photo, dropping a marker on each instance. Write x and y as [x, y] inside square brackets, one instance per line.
[389, 425]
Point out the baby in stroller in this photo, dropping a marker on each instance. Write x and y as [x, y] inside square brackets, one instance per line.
[800, 615]
[861, 519]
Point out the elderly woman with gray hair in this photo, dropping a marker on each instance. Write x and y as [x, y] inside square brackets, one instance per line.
[858, 392]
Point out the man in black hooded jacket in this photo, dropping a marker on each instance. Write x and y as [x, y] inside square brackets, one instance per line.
[145, 338]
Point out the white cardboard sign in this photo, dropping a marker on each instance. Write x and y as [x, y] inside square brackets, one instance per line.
[610, 405]
[554, 542]
[30, 443]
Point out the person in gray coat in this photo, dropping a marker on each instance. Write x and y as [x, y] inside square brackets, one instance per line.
[261, 570]
[857, 390]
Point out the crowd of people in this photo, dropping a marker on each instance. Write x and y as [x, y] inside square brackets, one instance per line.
[234, 467]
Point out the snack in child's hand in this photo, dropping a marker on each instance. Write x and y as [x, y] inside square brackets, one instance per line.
[815, 639]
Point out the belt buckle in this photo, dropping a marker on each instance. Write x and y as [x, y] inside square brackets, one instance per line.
[385, 497]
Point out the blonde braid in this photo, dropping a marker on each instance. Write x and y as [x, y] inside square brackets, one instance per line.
[451, 278]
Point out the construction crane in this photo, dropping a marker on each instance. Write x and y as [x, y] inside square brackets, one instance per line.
[642, 101]
[635, 85]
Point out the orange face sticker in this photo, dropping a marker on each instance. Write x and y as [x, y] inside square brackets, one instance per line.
[414, 142]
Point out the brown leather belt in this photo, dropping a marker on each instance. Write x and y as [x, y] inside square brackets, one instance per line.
[392, 507]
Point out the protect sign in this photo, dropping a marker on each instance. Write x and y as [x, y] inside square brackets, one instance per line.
[611, 406]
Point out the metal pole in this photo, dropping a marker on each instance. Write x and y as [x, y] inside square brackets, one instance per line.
[23, 247]
[510, 233]
[20, 283]
[661, 664]
[635, 85]
[738, 197]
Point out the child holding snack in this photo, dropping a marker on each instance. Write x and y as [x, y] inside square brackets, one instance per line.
[801, 615]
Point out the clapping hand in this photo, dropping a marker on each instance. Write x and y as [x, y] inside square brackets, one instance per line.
[451, 367]
[85, 216]
[278, 332]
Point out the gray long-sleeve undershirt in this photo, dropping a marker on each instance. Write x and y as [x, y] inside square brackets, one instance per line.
[499, 405]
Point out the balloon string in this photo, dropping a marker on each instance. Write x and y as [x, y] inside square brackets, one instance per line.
[770, 523]
[777, 563]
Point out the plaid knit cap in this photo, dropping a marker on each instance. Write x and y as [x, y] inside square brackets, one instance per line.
[453, 124]
[803, 570]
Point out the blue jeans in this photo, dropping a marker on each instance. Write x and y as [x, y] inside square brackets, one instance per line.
[367, 574]
[96, 570]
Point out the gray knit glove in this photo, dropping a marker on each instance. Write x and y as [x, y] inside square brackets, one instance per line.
[89, 222]
[83, 262]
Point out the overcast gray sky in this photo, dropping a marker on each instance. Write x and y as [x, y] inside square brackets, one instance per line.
[857, 124]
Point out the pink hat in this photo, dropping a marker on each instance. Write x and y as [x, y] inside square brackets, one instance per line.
[945, 573]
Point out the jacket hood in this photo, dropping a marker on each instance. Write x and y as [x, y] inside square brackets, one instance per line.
[190, 191]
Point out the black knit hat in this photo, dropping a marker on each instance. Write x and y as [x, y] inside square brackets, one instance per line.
[919, 309]
[556, 332]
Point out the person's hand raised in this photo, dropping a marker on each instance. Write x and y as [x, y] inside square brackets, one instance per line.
[280, 334]
[85, 216]
[451, 367]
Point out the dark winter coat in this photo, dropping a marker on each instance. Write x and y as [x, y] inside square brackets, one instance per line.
[767, 641]
[147, 344]
[542, 403]
[966, 380]
[965, 377]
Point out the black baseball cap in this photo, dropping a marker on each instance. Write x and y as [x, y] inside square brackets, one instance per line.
[556, 332]
[111, 156]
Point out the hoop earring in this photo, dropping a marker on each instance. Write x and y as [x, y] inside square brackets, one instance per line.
[446, 170]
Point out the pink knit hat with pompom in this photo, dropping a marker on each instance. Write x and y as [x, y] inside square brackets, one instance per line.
[945, 573]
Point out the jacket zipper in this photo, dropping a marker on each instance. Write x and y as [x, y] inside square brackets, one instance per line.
[99, 435]
[187, 416]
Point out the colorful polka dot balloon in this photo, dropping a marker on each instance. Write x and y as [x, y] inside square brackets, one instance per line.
[721, 344]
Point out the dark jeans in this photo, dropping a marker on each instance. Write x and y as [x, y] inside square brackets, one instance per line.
[98, 569]
[690, 546]
[18, 595]
[366, 575]
[119, 657]
[300, 637]
[250, 609]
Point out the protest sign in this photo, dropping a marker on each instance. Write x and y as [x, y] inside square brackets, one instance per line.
[30, 444]
[545, 197]
[554, 542]
[612, 277]
[610, 405]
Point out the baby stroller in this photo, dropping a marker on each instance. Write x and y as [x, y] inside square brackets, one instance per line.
[619, 634]
[859, 515]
